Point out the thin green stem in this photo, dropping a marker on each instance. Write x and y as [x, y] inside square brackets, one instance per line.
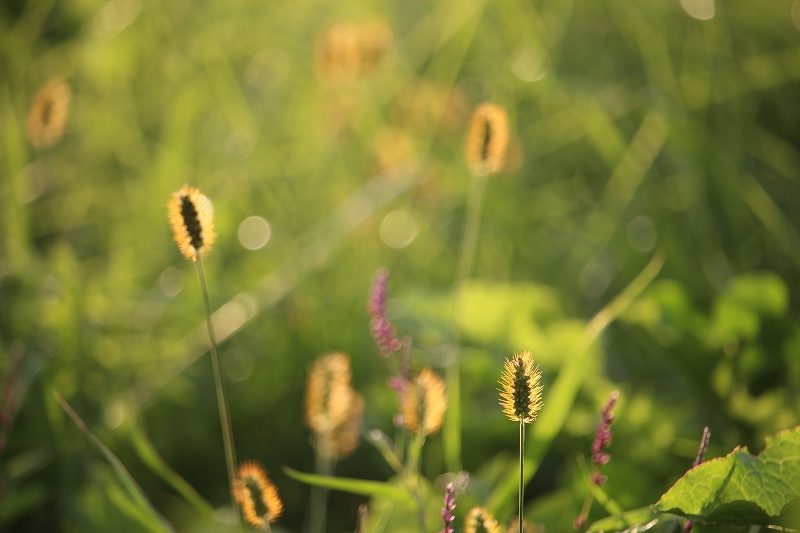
[521, 471]
[319, 495]
[224, 414]
[466, 259]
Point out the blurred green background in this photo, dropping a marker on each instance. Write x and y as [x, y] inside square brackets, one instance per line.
[635, 126]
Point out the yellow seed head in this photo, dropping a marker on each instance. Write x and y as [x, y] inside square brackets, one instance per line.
[520, 391]
[263, 507]
[333, 410]
[48, 113]
[424, 403]
[479, 520]
[192, 218]
[487, 139]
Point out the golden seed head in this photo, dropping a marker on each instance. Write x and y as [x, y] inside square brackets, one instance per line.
[487, 139]
[48, 114]
[333, 411]
[192, 218]
[424, 403]
[527, 527]
[520, 391]
[262, 508]
[479, 520]
[345, 50]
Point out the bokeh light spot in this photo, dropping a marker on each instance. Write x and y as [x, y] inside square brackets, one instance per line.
[699, 9]
[642, 233]
[529, 64]
[171, 282]
[399, 228]
[254, 232]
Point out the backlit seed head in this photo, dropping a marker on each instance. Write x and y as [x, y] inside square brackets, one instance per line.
[48, 114]
[479, 520]
[424, 403]
[520, 391]
[487, 139]
[257, 495]
[192, 218]
[333, 410]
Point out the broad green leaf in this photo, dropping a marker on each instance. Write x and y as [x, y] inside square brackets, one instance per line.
[740, 488]
[356, 486]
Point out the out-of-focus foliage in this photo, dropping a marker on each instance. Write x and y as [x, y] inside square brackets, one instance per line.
[329, 137]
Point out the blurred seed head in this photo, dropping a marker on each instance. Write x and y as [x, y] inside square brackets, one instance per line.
[48, 114]
[345, 50]
[257, 495]
[479, 520]
[424, 403]
[487, 139]
[334, 412]
[520, 391]
[191, 216]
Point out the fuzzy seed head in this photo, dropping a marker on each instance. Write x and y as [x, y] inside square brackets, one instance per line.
[48, 114]
[424, 403]
[192, 219]
[479, 520]
[520, 389]
[257, 495]
[487, 139]
[333, 410]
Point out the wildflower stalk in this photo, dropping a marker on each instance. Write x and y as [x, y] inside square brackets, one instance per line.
[485, 151]
[224, 414]
[521, 470]
[521, 399]
[466, 259]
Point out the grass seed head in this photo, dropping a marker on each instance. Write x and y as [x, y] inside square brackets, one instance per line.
[192, 219]
[48, 114]
[424, 403]
[479, 520]
[520, 390]
[257, 495]
[487, 139]
[333, 410]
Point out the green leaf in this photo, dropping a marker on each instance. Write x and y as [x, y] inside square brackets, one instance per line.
[356, 486]
[740, 488]
[641, 517]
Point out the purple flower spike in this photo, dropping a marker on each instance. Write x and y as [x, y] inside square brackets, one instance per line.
[382, 330]
[603, 438]
[449, 507]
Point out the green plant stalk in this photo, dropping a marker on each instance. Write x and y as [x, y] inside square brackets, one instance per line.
[521, 471]
[319, 495]
[466, 259]
[224, 414]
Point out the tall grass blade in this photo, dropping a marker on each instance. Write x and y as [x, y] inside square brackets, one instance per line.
[153, 460]
[133, 490]
[356, 486]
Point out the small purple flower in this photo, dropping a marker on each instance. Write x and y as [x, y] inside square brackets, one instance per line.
[382, 329]
[449, 507]
[603, 438]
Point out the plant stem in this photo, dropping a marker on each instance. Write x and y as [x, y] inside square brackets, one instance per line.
[224, 414]
[319, 495]
[466, 259]
[521, 471]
